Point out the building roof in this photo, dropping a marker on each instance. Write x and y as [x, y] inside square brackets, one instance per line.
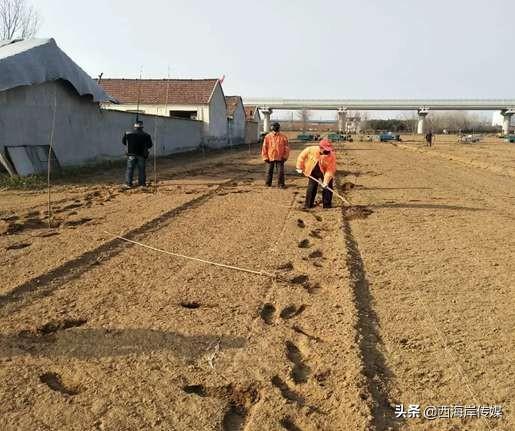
[154, 91]
[232, 103]
[35, 61]
[250, 111]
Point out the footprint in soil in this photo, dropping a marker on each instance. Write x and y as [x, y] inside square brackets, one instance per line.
[199, 390]
[304, 243]
[239, 402]
[315, 234]
[291, 311]
[300, 279]
[287, 266]
[286, 392]
[267, 313]
[300, 371]
[289, 425]
[316, 254]
[191, 305]
[300, 223]
[54, 382]
[18, 246]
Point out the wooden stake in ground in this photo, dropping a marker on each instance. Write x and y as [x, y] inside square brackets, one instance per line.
[49, 162]
[155, 150]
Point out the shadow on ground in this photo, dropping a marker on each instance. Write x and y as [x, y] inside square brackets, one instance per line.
[89, 343]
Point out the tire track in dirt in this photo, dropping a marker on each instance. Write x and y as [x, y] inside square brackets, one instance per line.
[46, 283]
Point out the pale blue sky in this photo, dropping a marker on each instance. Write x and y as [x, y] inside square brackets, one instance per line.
[301, 49]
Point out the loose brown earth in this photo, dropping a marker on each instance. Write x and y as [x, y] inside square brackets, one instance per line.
[405, 298]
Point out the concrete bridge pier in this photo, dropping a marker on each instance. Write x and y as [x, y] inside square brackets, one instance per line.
[421, 126]
[507, 121]
[266, 119]
[342, 120]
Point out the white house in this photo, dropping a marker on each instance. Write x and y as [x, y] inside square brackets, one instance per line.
[235, 119]
[198, 99]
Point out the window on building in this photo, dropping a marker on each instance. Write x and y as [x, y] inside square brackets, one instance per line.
[192, 115]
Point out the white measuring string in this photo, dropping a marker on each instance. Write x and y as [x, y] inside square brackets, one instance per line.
[221, 265]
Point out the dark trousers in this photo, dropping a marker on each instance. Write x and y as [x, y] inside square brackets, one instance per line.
[270, 172]
[311, 192]
[139, 162]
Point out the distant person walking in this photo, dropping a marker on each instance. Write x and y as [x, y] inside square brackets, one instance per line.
[429, 138]
[138, 143]
[318, 162]
[275, 152]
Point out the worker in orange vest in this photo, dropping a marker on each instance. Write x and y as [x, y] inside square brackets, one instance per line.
[318, 162]
[275, 152]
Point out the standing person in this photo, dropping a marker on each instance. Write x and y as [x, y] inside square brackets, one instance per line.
[275, 152]
[138, 143]
[318, 162]
[429, 138]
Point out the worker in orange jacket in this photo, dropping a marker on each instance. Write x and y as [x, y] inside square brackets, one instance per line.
[275, 152]
[318, 162]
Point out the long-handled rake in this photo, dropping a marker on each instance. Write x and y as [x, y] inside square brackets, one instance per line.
[345, 201]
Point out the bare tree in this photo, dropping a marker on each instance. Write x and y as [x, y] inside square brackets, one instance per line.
[18, 20]
[304, 116]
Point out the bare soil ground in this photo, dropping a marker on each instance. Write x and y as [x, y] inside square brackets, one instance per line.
[405, 298]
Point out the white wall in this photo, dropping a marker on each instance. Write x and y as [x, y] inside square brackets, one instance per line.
[238, 125]
[163, 110]
[83, 132]
[216, 134]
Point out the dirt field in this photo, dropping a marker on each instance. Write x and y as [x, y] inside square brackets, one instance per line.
[412, 304]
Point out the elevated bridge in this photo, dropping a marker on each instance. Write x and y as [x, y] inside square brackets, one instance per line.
[422, 106]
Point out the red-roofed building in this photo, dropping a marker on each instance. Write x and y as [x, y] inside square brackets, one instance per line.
[196, 99]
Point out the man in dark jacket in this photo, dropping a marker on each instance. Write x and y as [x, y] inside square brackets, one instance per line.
[138, 143]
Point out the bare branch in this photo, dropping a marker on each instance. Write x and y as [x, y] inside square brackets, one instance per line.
[18, 20]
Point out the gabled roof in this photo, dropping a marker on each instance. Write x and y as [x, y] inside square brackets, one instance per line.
[250, 112]
[232, 103]
[35, 61]
[154, 91]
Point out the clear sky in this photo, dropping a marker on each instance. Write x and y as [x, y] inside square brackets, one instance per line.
[298, 48]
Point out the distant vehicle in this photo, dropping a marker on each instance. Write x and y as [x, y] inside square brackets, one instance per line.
[389, 136]
[339, 137]
[510, 139]
[469, 139]
[305, 137]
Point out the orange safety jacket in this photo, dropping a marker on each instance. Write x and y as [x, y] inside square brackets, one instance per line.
[310, 156]
[275, 147]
